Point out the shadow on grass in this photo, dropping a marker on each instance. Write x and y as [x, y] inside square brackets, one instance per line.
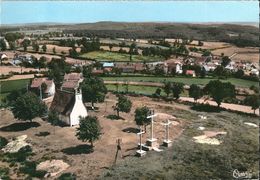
[206, 108]
[114, 117]
[131, 130]
[80, 149]
[42, 133]
[21, 126]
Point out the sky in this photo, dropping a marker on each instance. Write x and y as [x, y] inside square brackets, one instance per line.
[20, 12]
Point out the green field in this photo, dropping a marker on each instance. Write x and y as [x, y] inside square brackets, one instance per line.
[114, 56]
[185, 80]
[8, 86]
[145, 90]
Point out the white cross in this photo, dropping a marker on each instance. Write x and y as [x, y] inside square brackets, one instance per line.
[151, 116]
[167, 129]
[140, 135]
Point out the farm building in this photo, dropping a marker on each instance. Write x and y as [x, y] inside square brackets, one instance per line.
[70, 106]
[37, 83]
[71, 81]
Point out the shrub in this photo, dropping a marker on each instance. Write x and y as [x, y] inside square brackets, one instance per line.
[67, 176]
[3, 142]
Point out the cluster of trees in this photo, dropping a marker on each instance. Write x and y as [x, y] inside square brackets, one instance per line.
[57, 69]
[67, 42]
[3, 46]
[173, 88]
[88, 46]
[36, 63]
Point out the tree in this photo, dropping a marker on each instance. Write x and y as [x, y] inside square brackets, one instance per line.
[73, 53]
[42, 62]
[157, 93]
[195, 92]
[110, 47]
[123, 104]
[93, 90]
[13, 96]
[54, 50]
[225, 61]
[219, 90]
[220, 71]
[167, 88]
[203, 72]
[141, 116]
[2, 45]
[158, 70]
[53, 118]
[239, 74]
[35, 46]
[44, 48]
[26, 43]
[28, 106]
[252, 101]
[177, 89]
[89, 129]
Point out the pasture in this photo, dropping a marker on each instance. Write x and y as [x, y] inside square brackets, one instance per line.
[186, 80]
[118, 57]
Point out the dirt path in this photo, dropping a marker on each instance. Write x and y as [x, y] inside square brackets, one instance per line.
[16, 77]
[234, 107]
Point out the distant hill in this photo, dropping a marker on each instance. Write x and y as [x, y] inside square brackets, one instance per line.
[248, 32]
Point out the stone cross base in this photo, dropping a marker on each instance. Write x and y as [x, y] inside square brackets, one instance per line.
[140, 153]
[167, 143]
[151, 142]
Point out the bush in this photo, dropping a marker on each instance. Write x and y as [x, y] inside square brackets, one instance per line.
[29, 167]
[67, 176]
[113, 117]
[4, 173]
[205, 108]
[3, 142]
[19, 156]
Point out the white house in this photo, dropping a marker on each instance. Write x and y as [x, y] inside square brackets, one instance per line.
[50, 86]
[70, 106]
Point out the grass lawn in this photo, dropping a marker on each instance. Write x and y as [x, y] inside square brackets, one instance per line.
[114, 56]
[185, 80]
[8, 86]
[146, 90]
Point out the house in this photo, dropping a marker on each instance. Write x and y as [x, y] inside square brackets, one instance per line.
[175, 66]
[38, 82]
[3, 56]
[254, 72]
[108, 66]
[69, 106]
[71, 81]
[191, 73]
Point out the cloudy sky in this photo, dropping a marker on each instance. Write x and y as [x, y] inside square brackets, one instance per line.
[16, 12]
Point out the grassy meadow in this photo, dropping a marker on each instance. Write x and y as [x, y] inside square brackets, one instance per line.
[114, 56]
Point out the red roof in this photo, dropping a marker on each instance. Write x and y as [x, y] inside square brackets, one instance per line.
[72, 77]
[190, 72]
[70, 84]
[37, 82]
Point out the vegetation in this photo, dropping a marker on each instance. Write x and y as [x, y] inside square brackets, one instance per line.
[57, 70]
[3, 142]
[195, 92]
[141, 116]
[253, 101]
[93, 90]
[186, 80]
[28, 106]
[124, 105]
[89, 129]
[219, 90]
[177, 89]
[114, 56]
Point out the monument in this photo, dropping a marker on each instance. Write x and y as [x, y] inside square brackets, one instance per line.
[152, 142]
[166, 141]
[140, 152]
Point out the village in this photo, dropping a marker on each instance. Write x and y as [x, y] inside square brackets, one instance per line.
[112, 104]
